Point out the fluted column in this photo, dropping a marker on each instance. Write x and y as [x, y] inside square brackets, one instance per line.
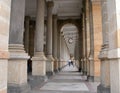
[4, 35]
[50, 60]
[55, 43]
[39, 59]
[17, 65]
[104, 86]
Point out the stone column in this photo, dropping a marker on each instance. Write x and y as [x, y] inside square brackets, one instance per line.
[55, 43]
[39, 59]
[88, 36]
[4, 35]
[104, 86]
[64, 51]
[58, 49]
[50, 59]
[26, 33]
[84, 47]
[17, 65]
[91, 56]
[113, 7]
[61, 51]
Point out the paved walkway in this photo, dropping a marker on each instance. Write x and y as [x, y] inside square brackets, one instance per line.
[67, 81]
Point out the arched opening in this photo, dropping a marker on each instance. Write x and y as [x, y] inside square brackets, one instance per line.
[70, 33]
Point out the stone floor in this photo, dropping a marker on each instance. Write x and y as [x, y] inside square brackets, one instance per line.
[67, 81]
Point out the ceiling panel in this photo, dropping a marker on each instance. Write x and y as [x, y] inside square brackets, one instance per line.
[63, 8]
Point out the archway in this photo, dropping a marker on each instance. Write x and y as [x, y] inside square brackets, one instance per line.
[70, 33]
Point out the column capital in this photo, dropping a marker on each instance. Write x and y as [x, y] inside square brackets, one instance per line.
[50, 4]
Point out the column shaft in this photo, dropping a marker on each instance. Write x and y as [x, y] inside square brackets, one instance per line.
[39, 58]
[49, 28]
[87, 36]
[50, 64]
[55, 43]
[91, 56]
[84, 46]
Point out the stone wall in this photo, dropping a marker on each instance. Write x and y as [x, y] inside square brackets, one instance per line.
[4, 35]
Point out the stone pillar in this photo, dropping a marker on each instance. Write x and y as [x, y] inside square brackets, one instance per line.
[84, 47]
[87, 36]
[17, 65]
[55, 43]
[50, 59]
[39, 59]
[91, 56]
[114, 44]
[97, 28]
[26, 33]
[61, 50]
[4, 35]
[104, 86]
[58, 49]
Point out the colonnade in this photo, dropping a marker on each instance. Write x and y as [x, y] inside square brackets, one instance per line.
[99, 28]
[17, 38]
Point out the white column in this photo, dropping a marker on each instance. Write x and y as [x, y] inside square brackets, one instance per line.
[17, 66]
[50, 60]
[39, 59]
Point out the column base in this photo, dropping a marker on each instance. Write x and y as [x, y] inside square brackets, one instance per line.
[102, 89]
[50, 65]
[50, 73]
[56, 65]
[80, 70]
[56, 70]
[90, 78]
[39, 64]
[35, 81]
[18, 88]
